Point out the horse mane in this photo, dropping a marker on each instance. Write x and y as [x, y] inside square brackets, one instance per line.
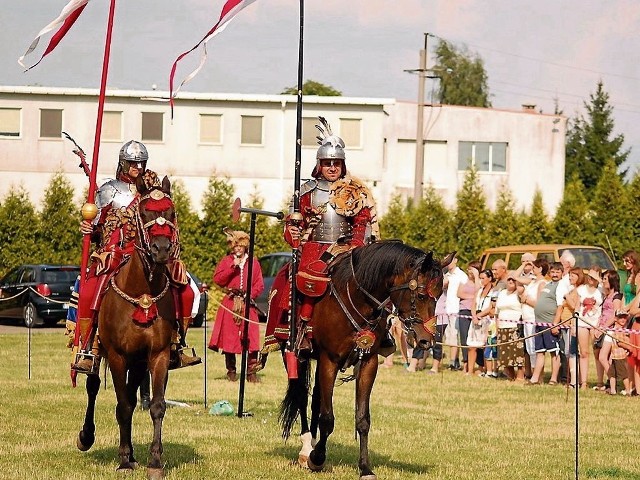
[379, 261]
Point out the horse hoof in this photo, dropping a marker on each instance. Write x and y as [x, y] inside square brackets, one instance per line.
[369, 477]
[82, 446]
[124, 470]
[303, 461]
[155, 473]
[313, 467]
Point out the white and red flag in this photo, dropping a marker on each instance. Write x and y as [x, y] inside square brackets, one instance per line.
[230, 9]
[65, 21]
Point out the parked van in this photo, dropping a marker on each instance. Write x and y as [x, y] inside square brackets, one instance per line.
[586, 255]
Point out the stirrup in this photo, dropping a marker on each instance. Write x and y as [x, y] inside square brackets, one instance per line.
[87, 363]
[183, 357]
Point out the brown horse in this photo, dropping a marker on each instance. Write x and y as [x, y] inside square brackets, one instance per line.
[349, 323]
[135, 325]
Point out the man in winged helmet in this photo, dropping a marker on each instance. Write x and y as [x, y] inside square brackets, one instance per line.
[113, 232]
[337, 213]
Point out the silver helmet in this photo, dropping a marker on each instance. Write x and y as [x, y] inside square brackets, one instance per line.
[132, 152]
[331, 147]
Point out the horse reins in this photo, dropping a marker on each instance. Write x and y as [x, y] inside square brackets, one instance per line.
[408, 322]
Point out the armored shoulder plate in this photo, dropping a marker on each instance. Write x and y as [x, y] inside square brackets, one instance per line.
[308, 186]
[115, 193]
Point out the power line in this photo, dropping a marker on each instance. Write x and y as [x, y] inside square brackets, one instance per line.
[547, 62]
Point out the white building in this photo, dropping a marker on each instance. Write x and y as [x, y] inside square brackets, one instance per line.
[251, 140]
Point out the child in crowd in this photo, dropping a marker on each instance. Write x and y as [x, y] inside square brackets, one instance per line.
[619, 352]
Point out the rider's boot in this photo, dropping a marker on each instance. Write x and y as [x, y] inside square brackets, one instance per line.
[387, 345]
[303, 342]
[181, 354]
[87, 361]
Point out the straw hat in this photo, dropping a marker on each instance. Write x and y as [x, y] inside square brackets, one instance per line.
[595, 275]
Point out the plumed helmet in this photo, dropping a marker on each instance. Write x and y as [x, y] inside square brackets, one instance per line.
[236, 238]
[331, 147]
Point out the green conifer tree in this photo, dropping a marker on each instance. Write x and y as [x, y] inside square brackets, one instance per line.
[429, 224]
[613, 216]
[58, 238]
[216, 206]
[573, 221]
[395, 223]
[590, 141]
[504, 225]
[470, 219]
[18, 230]
[536, 227]
[633, 194]
[189, 225]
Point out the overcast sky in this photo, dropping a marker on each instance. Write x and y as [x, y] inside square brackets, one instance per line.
[533, 51]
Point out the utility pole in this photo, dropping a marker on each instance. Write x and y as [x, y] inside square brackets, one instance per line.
[419, 170]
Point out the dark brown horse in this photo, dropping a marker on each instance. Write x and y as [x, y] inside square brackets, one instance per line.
[139, 290]
[349, 323]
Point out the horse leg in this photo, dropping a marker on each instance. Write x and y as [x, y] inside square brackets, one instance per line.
[124, 411]
[326, 376]
[364, 384]
[157, 408]
[306, 438]
[87, 435]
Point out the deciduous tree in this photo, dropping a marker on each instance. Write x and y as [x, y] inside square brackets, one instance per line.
[311, 87]
[463, 78]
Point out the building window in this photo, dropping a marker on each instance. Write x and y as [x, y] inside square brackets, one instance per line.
[251, 130]
[350, 132]
[112, 126]
[152, 126]
[9, 122]
[309, 132]
[210, 128]
[484, 156]
[50, 123]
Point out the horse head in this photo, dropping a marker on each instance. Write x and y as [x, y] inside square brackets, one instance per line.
[424, 282]
[157, 218]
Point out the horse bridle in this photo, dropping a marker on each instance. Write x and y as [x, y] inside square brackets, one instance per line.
[409, 322]
[146, 227]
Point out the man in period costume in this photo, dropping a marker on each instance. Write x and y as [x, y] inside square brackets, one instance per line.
[113, 230]
[228, 330]
[337, 213]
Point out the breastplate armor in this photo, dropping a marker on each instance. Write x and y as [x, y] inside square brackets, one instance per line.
[115, 193]
[331, 226]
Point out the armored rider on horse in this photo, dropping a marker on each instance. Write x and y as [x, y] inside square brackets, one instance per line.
[113, 231]
[337, 213]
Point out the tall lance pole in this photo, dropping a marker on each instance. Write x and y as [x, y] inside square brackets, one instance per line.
[290, 353]
[89, 209]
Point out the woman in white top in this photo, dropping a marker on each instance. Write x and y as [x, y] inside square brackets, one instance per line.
[482, 310]
[510, 345]
[589, 311]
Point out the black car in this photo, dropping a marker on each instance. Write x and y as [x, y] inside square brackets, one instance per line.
[270, 264]
[37, 294]
[198, 320]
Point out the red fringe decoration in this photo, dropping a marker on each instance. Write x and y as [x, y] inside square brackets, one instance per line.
[160, 231]
[158, 205]
[140, 316]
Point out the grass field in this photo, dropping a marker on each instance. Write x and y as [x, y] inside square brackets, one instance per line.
[443, 426]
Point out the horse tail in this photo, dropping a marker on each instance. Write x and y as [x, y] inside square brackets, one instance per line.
[295, 400]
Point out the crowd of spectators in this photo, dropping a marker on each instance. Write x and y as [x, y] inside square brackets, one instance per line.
[500, 323]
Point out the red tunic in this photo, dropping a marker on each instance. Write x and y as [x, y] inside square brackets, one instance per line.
[227, 335]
